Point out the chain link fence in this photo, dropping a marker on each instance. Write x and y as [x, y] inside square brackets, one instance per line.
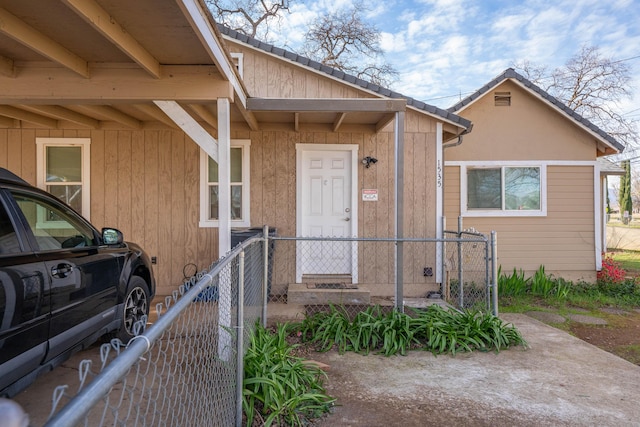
[358, 272]
[187, 367]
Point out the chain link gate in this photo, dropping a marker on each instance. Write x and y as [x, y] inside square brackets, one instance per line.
[186, 369]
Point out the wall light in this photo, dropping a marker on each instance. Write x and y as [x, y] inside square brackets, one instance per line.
[368, 160]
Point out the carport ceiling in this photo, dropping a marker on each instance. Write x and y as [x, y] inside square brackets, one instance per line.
[101, 63]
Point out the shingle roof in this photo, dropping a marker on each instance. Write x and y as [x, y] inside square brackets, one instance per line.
[510, 73]
[340, 75]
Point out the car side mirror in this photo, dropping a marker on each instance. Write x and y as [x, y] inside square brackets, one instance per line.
[111, 236]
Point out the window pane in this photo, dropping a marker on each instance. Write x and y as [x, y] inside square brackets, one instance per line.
[70, 194]
[68, 231]
[64, 164]
[213, 202]
[522, 188]
[484, 189]
[8, 240]
[236, 164]
[236, 202]
[213, 171]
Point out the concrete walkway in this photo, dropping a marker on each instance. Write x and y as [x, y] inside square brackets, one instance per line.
[559, 380]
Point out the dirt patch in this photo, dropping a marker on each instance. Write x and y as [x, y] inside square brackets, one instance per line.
[621, 335]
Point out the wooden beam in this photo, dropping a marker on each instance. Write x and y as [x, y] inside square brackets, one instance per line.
[35, 40]
[338, 121]
[111, 113]
[63, 114]
[248, 116]
[205, 114]
[326, 105]
[8, 122]
[384, 121]
[28, 116]
[108, 85]
[153, 111]
[6, 67]
[100, 19]
[191, 127]
[204, 27]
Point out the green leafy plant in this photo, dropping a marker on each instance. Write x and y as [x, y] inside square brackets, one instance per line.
[280, 388]
[514, 285]
[434, 329]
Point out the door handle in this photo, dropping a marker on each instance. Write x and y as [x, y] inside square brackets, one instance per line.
[347, 219]
[61, 270]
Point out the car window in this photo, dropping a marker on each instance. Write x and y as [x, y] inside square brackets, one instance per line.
[53, 225]
[8, 239]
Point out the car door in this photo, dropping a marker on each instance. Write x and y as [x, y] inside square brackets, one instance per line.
[24, 301]
[84, 276]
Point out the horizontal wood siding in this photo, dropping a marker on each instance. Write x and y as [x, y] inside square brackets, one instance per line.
[563, 241]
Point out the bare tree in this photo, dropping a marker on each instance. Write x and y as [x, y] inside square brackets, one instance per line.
[343, 40]
[591, 85]
[249, 17]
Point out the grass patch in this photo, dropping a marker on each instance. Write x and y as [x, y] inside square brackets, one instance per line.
[629, 352]
[629, 261]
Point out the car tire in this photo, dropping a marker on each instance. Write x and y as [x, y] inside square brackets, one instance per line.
[136, 305]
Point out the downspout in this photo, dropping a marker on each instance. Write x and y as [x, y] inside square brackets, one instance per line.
[440, 255]
[459, 141]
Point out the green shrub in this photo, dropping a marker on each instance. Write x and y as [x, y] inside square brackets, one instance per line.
[514, 285]
[279, 388]
[434, 329]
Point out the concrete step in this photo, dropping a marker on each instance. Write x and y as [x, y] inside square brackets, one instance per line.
[300, 293]
[326, 278]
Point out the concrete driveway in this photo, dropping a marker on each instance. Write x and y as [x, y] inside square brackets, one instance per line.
[559, 381]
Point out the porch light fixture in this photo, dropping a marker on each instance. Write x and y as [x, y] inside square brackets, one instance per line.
[368, 160]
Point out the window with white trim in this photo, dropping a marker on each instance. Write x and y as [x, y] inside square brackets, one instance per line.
[239, 164]
[63, 169]
[512, 190]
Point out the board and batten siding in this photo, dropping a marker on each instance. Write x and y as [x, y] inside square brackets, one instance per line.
[273, 200]
[563, 241]
[145, 183]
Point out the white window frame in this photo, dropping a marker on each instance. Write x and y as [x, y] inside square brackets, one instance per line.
[465, 211]
[238, 59]
[41, 166]
[205, 222]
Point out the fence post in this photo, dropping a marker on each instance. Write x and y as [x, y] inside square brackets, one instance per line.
[265, 275]
[460, 278]
[494, 271]
[240, 341]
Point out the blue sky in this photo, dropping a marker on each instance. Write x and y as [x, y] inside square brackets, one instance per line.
[445, 49]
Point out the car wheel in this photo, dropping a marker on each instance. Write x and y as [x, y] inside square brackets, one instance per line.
[136, 306]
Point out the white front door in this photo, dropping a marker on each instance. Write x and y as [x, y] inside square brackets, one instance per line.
[327, 208]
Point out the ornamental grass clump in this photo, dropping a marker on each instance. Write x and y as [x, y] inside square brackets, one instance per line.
[433, 329]
[280, 388]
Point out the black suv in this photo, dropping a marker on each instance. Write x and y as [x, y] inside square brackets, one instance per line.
[63, 284]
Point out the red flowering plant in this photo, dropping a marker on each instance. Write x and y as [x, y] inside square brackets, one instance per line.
[611, 273]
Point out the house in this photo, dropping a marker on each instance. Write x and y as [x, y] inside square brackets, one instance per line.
[145, 117]
[530, 170]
